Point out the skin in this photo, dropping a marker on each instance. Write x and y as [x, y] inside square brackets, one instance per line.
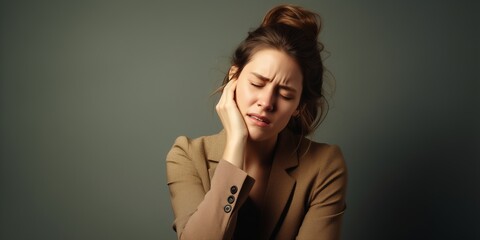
[254, 108]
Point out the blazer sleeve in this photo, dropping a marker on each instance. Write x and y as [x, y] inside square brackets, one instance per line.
[201, 214]
[327, 200]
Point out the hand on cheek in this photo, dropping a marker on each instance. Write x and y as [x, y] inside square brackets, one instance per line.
[234, 125]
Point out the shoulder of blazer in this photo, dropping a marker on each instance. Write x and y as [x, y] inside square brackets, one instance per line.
[202, 154]
[325, 154]
[209, 147]
[321, 161]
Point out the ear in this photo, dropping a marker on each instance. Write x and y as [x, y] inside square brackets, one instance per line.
[232, 71]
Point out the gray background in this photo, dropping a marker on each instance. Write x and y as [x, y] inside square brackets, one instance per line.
[93, 94]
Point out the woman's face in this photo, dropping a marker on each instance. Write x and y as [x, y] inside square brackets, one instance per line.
[268, 93]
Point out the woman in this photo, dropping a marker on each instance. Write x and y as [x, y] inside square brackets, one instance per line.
[260, 178]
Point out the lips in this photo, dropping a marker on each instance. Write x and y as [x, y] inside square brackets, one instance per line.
[259, 118]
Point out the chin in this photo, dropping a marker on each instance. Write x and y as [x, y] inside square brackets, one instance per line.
[257, 135]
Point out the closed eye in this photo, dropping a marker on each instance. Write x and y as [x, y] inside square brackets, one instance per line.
[287, 97]
[285, 94]
[256, 84]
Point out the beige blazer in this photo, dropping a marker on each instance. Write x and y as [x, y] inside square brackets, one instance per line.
[305, 196]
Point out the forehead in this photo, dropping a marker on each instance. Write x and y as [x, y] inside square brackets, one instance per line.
[275, 65]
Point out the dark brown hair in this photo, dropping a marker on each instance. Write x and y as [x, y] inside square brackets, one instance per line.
[292, 30]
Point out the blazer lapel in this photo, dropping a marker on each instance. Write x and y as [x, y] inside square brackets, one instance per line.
[280, 184]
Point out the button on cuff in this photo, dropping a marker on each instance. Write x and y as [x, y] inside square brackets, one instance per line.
[227, 208]
[231, 199]
[233, 189]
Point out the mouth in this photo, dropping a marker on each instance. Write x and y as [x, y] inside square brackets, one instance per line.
[258, 118]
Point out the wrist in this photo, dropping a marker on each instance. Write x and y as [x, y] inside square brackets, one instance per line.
[234, 152]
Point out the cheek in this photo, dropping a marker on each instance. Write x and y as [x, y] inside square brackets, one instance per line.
[288, 110]
[242, 94]
[240, 97]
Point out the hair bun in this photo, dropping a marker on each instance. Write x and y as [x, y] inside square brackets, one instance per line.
[293, 16]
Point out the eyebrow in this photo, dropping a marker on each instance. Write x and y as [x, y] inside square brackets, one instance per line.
[261, 77]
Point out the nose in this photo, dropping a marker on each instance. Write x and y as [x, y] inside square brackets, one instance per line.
[266, 100]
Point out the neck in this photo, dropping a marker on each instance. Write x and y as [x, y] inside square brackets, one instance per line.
[260, 152]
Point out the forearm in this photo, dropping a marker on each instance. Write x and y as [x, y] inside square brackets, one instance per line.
[215, 216]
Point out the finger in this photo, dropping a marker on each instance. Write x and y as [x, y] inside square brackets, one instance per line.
[225, 89]
[228, 93]
[231, 90]
[225, 96]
